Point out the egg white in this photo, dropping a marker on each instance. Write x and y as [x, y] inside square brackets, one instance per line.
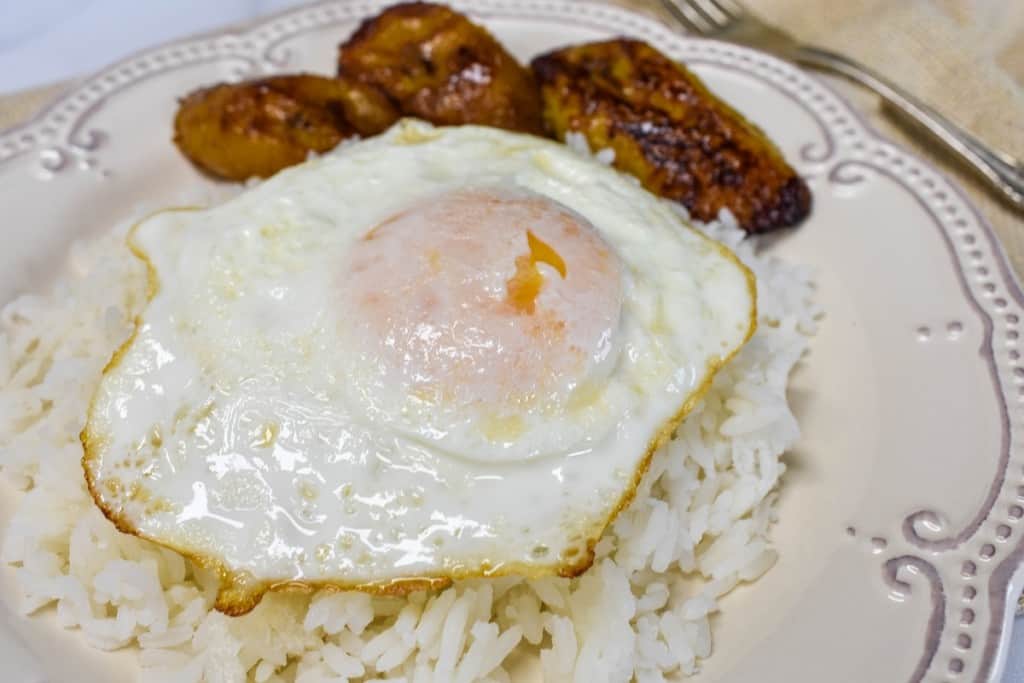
[234, 426]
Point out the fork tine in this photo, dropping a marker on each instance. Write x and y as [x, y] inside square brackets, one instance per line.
[730, 8]
[716, 16]
[687, 16]
[710, 16]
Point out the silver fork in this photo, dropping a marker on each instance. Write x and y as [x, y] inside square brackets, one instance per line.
[727, 20]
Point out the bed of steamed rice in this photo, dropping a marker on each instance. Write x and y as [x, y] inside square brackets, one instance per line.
[698, 527]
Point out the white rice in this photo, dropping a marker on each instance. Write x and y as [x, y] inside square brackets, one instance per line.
[698, 527]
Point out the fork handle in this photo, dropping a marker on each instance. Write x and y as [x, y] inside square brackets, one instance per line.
[1001, 171]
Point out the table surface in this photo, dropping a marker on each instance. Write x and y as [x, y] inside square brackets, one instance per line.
[48, 41]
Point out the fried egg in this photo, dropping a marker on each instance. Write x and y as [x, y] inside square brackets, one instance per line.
[435, 354]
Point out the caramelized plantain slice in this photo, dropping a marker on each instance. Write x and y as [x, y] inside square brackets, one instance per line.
[256, 128]
[439, 66]
[670, 131]
[365, 108]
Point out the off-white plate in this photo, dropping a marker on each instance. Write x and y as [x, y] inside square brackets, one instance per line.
[901, 513]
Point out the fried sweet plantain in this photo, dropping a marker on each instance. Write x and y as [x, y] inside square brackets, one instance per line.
[439, 66]
[364, 107]
[256, 128]
[670, 131]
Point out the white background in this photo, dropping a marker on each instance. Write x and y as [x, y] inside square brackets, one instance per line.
[42, 41]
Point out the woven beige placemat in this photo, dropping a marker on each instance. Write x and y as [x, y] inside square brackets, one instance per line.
[18, 107]
[966, 57]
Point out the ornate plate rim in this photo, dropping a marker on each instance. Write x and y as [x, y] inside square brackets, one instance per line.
[57, 132]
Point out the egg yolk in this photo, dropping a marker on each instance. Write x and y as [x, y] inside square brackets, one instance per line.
[525, 285]
[483, 296]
